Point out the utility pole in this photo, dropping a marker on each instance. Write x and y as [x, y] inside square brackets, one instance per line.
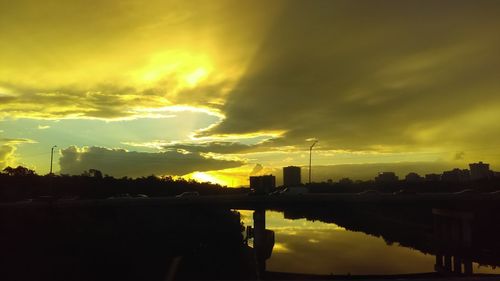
[310, 157]
[51, 158]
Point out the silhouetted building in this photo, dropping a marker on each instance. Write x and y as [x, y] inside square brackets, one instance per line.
[413, 177]
[329, 181]
[291, 176]
[386, 177]
[263, 184]
[480, 171]
[456, 175]
[432, 177]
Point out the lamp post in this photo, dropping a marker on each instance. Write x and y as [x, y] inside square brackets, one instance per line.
[51, 158]
[310, 158]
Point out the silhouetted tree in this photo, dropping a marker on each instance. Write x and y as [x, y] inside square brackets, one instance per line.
[92, 173]
[95, 173]
[21, 183]
[8, 170]
[19, 171]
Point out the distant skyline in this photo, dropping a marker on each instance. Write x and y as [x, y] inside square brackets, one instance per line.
[210, 89]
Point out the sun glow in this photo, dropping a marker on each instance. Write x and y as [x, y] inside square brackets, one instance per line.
[192, 79]
[185, 68]
[158, 72]
[205, 177]
[234, 177]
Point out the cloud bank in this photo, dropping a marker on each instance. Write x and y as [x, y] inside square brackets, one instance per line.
[119, 162]
[380, 74]
[8, 147]
[6, 155]
[385, 76]
[221, 147]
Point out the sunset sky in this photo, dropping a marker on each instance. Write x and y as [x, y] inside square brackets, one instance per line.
[219, 90]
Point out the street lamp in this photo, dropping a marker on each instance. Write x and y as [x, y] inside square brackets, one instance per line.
[310, 157]
[51, 158]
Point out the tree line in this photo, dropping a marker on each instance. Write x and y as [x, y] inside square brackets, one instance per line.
[22, 183]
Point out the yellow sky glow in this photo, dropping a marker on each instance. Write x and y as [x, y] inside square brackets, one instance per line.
[274, 74]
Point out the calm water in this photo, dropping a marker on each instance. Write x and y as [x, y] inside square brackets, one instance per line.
[205, 243]
[314, 247]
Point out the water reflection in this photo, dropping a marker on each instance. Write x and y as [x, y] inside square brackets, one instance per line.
[453, 241]
[314, 247]
[263, 241]
[173, 243]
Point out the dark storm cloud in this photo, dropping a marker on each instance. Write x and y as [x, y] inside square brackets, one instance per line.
[222, 147]
[229, 147]
[119, 162]
[6, 99]
[57, 55]
[359, 75]
[371, 74]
